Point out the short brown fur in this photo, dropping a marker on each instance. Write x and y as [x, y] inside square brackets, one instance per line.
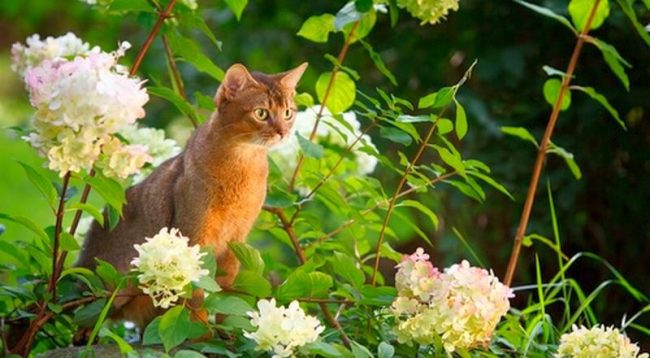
[213, 191]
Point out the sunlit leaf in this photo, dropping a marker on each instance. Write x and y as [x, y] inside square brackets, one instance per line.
[342, 92]
[552, 88]
[317, 28]
[581, 9]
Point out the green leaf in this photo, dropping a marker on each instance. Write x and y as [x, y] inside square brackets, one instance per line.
[67, 242]
[395, 135]
[174, 327]
[311, 149]
[492, 183]
[188, 354]
[347, 15]
[378, 296]
[124, 347]
[317, 28]
[614, 60]
[230, 305]
[252, 283]
[552, 89]
[521, 133]
[87, 315]
[568, 158]
[90, 209]
[249, 258]
[151, 334]
[445, 126]
[107, 272]
[379, 63]
[342, 93]
[179, 102]
[130, 6]
[189, 51]
[28, 224]
[423, 209]
[345, 267]
[461, 121]
[603, 102]
[628, 9]
[548, 13]
[301, 284]
[40, 182]
[304, 100]
[109, 189]
[208, 284]
[437, 99]
[360, 351]
[405, 118]
[278, 198]
[581, 9]
[452, 160]
[237, 7]
[385, 350]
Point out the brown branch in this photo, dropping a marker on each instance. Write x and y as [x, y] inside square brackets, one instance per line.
[541, 153]
[176, 75]
[152, 35]
[288, 228]
[393, 200]
[347, 224]
[51, 287]
[328, 89]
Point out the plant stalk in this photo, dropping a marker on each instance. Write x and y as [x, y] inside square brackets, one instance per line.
[541, 152]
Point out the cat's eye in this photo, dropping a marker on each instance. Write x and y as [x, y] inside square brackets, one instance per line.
[288, 113]
[261, 114]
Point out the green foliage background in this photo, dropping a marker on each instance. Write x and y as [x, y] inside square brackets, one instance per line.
[606, 211]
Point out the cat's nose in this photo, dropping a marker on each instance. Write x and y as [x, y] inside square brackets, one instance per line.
[280, 131]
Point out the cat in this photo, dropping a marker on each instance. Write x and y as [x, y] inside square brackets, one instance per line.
[213, 191]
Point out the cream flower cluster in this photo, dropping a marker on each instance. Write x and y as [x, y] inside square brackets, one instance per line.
[429, 11]
[282, 330]
[154, 143]
[597, 342]
[461, 305]
[166, 265]
[329, 130]
[81, 102]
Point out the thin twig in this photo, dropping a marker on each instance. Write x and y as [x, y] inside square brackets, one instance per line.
[541, 153]
[328, 89]
[51, 288]
[347, 224]
[302, 259]
[176, 75]
[152, 35]
[393, 200]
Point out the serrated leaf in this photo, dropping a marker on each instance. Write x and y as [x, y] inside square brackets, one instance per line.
[311, 149]
[552, 88]
[342, 92]
[461, 121]
[40, 182]
[252, 283]
[521, 133]
[548, 13]
[237, 7]
[603, 102]
[579, 10]
[301, 284]
[248, 256]
[317, 28]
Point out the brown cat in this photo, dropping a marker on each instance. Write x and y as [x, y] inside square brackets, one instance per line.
[214, 190]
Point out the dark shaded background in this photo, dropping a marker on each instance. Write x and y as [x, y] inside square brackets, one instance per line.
[606, 212]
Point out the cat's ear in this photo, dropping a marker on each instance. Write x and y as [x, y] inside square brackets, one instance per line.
[290, 78]
[236, 79]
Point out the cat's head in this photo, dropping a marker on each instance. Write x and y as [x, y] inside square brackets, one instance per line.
[257, 108]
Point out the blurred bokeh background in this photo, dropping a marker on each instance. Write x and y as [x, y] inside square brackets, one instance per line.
[607, 211]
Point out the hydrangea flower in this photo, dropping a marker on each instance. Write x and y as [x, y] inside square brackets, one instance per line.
[156, 145]
[166, 264]
[82, 99]
[329, 130]
[429, 11]
[461, 305]
[282, 330]
[597, 342]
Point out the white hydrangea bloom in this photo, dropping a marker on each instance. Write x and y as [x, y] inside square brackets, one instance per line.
[156, 144]
[166, 264]
[286, 153]
[597, 342]
[282, 330]
[429, 11]
[81, 103]
[52, 48]
[462, 305]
